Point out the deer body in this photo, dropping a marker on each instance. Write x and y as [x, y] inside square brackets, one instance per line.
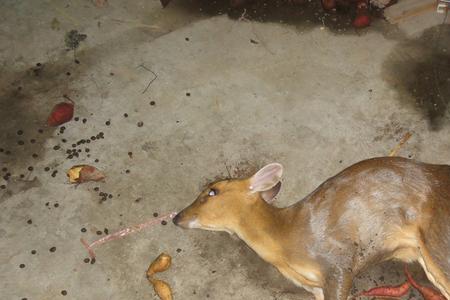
[376, 210]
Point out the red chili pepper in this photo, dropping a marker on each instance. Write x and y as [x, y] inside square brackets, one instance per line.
[428, 293]
[388, 291]
[61, 113]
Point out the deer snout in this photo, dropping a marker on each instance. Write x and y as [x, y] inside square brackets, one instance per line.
[184, 221]
[176, 219]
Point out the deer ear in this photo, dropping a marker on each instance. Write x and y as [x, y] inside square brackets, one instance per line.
[266, 178]
[272, 193]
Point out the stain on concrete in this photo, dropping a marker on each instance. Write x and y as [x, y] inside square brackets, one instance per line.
[17, 185]
[420, 70]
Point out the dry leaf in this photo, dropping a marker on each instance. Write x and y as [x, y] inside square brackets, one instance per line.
[162, 289]
[84, 173]
[160, 264]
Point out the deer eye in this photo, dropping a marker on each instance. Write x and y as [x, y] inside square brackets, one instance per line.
[212, 192]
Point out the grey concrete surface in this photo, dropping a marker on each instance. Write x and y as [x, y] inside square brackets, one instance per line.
[296, 86]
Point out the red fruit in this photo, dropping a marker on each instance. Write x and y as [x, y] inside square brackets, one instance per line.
[61, 113]
[328, 4]
[428, 293]
[387, 291]
[361, 21]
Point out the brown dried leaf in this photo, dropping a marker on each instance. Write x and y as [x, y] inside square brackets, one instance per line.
[162, 289]
[160, 264]
[84, 173]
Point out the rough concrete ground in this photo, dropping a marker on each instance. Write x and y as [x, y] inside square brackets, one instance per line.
[292, 85]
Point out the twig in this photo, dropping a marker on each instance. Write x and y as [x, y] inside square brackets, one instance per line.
[397, 148]
[154, 27]
[67, 97]
[228, 170]
[243, 17]
[123, 232]
[151, 81]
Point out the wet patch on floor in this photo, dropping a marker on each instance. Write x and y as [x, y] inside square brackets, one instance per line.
[420, 70]
[304, 15]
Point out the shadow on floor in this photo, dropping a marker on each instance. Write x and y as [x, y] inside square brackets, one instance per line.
[420, 70]
[304, 16]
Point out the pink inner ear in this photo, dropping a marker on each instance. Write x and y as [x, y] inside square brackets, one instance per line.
[269, 195]
[267, 177]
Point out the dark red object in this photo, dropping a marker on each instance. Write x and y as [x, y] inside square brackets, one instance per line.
[388, 291]
[362, 14]
[361, 21]
[329, 4]
[61, 113]
[428, 293]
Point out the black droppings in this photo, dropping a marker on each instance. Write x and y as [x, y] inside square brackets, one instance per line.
[52, 249]
[30, 221]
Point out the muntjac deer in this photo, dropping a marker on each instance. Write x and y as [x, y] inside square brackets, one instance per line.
[375, 210]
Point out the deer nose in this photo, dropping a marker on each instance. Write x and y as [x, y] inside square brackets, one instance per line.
[176, 219]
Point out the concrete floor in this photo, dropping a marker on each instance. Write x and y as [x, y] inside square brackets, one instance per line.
[294, 85]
